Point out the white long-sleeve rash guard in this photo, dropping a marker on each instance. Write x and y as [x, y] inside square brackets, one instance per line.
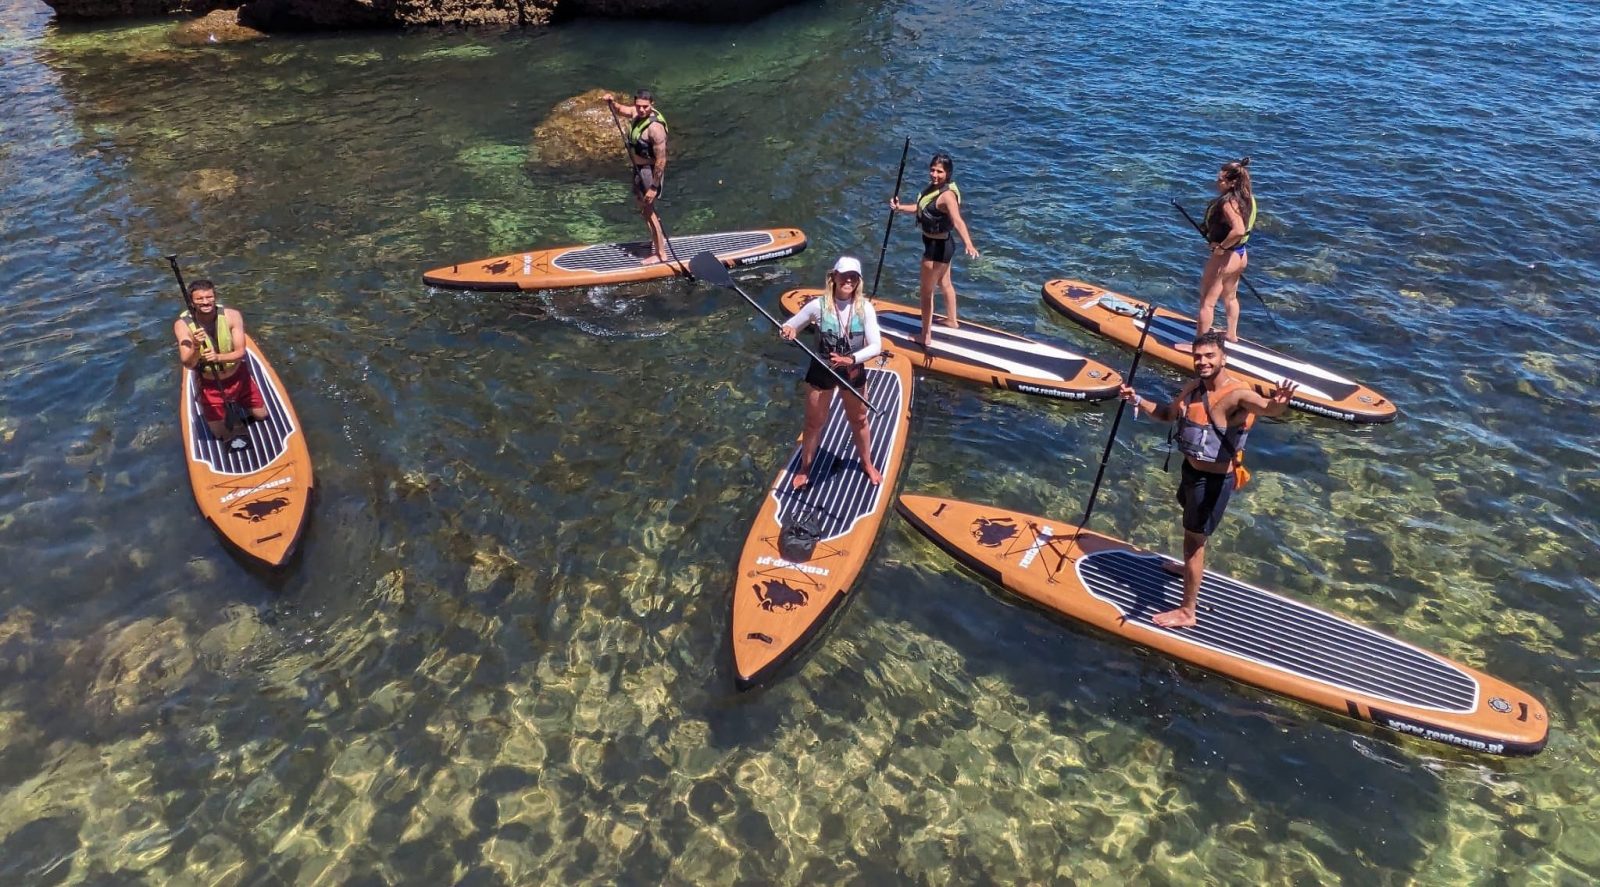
[812, 312]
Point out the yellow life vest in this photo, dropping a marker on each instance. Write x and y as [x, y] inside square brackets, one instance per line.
[222, 345]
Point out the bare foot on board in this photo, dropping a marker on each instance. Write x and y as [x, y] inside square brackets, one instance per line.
[1179, 618]
[652, 260]
[874, 476]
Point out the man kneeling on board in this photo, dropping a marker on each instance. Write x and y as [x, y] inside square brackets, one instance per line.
[1214, 414]
[211, 342]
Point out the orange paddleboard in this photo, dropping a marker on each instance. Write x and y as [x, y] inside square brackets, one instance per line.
[259, 495]
[605, 263]
[1245, 633]
[781, 598]
[986, 355]
[1115, 316]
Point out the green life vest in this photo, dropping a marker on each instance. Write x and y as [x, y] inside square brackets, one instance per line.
[930, 218]
[222, 345]
[636, 140]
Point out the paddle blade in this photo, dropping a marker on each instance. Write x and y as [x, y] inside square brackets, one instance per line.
[707, 267]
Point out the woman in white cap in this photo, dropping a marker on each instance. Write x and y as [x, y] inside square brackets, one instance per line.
[847, 337]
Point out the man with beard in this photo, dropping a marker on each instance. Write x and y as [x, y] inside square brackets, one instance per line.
[1214, 414]
[211, 341]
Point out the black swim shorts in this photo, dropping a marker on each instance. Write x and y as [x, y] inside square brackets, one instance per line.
[644, 178]
[817, 377]
[939, 249]
[1204, 497]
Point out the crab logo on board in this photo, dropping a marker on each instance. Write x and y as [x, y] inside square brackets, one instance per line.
[256, 512]
[991, 533]
[780, 595]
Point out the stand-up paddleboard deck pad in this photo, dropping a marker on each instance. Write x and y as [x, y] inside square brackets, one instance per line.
[1321, 392]
[778, 604]
[986, 355]
[604, 263]
[1245, 633]
[257, 496]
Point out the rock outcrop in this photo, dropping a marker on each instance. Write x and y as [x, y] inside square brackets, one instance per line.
[303, 15]
[579, 135]
[220, 26]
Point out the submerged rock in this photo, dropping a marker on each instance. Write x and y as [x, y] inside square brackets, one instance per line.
[215, 28]
[141, 663]
[299, 15]
[209, 183]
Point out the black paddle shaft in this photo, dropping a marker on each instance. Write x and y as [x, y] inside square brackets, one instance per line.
[627, 153]
[708, 268]
[1105, 455]
[899, 179]
[1247, 284]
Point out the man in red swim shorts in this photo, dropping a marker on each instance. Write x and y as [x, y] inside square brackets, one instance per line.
[211, 342]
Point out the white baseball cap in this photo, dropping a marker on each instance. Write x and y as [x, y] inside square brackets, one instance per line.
[847, 265]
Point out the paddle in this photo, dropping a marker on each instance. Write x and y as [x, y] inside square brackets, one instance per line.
[708, 268]
[233, 413]
[628, 153]
[1247, 284]
[899, 178]
[1105, 455]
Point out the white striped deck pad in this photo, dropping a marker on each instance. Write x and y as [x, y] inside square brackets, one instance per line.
[603, 257]
[839, 494]
[267, 437]
[983, 347]
[1278, 632]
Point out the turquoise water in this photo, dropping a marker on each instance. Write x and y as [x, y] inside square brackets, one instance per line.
[502, 657]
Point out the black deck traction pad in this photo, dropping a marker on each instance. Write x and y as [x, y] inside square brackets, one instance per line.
[1260, 362]
[906, 328]
[606, 257]
[267, 436]
[1248, 622]
[839, 493]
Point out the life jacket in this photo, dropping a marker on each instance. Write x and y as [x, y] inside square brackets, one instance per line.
[1216, 222]
[636, 140]
[222, 345]
[829, 335]
[1198, 436]
[930, 218]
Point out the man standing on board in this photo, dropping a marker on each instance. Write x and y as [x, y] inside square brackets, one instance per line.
[211, 342]
[647, 148]
[1214, 414]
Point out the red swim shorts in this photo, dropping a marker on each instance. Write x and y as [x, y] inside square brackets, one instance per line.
[239, 388]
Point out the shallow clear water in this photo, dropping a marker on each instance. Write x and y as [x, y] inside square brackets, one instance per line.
[502, 656]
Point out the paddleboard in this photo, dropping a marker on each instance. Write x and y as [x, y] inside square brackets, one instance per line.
[604, 263]
[259, 496]
[779, 603]
[984, 354]
[1245, 633]
[1322, 392]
